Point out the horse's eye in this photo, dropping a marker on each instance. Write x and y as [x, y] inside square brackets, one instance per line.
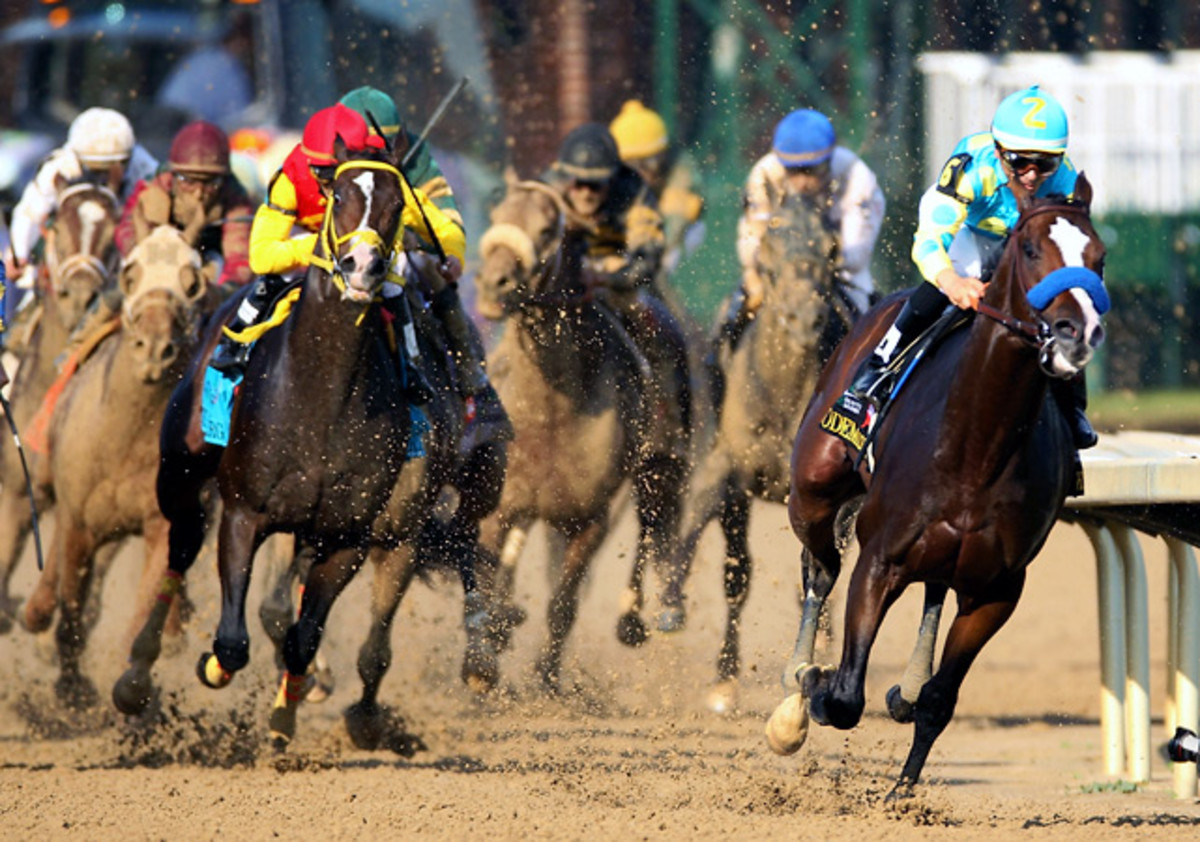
[337, 197]
[1100, 268]
[1030, 250]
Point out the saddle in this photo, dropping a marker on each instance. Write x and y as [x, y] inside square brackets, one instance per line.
[856, 421]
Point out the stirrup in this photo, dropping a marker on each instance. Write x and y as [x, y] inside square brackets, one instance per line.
[230, 355]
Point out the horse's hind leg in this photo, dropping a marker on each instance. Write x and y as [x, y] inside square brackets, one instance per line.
[902, 697]
[704, 503]
[974, 625]
[15, 525]
[325, 582]
[370, 724]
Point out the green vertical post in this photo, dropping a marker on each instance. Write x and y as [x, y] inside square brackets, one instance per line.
[862, 85]
[666, 62]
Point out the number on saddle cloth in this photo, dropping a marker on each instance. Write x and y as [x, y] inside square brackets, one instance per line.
[855, 421]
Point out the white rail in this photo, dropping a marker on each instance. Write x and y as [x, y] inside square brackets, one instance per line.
[1144, 470]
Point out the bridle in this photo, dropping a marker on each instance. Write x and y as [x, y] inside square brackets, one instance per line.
[331, 242]
[1035, 334]
[81, 262]
[540, 265]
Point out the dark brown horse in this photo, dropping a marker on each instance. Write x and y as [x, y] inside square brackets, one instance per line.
[972, 464]
[81, 261]
[769, 378]
[317, 439]
[574, 389]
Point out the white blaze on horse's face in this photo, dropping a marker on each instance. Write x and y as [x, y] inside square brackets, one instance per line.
[1072, 243]
[91, 215]
[363, 254]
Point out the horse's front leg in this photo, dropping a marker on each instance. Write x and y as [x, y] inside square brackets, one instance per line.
[704, 503]
[74, 548]
[326, 580]
[839, 701]
[370, 724]
[582, 543]
[735, 525]
[902, 698]
[974, 625]
[16, 523]
[237, 541]
[659, 487]
[134, 689]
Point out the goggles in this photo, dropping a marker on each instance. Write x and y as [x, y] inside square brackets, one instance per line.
[590, 186]
[1022, 162]
[198, 180]
[324, 172]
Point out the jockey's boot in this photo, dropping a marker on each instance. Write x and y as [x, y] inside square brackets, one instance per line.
[486, 419]
[1071, 397]
[231, 354]
[919, 312]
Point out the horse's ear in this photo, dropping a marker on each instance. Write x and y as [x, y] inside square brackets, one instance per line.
[1083, 191]
[340, 153]
[60, 182]
[131, 275]
[192, 283]
[510, 175]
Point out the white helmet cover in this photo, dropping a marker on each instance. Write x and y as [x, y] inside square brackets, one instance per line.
[100, 136]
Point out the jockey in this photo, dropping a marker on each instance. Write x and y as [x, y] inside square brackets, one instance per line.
[806, 160]
[98, 141]
[197, 194]
[964, 222]
[644, 146]
[297, 197]
[487, 419]
[624, 242]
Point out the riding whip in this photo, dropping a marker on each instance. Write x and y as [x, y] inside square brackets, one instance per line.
[12, 425]
[433, 120]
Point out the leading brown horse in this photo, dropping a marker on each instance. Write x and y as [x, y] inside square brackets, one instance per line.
[317, 439]
[972, 464]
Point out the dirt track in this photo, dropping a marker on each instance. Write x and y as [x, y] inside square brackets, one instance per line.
[631, 754]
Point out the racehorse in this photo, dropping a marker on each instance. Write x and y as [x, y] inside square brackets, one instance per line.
[81, 261]
[769, 377]
[317, 438]
[573, 387]
[418, 531]
[103, 444]
[966, 476]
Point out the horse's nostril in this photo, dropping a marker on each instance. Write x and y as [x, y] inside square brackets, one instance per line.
[346, 264]
[377, 267]
[1067, 329]
[1097, 337]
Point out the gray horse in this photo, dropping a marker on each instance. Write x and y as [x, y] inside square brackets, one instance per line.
[769, 378]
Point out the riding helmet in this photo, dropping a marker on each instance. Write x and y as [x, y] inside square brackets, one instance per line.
[1031, 121]
[101, 136]
[200, 147]
[329, 123]
[804, 138]
[381, 106]
[638, 131]
[589, 153]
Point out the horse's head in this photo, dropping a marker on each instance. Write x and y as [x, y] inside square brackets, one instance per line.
[164, 287]
[797, 260]
[520, 247]
[366, 201]
[1057, 265]
[81, 255]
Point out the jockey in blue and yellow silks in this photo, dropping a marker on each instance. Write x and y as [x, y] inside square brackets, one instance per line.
[964, 221]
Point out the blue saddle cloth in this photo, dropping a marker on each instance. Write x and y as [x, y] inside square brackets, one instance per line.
[216, 405]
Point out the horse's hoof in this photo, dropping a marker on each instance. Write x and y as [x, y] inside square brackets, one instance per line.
[902, 790]
[211, 673]
[787, 729]
[34, 619]
[549, 673]
[76, 691]
[365, 724]
[480, 669]
[722, 699]
[671, 620]
[132, 693]
[282, 727]
[900, 708]
[631, 629]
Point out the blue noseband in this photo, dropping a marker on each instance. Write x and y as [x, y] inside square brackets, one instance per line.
[1068, 277]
